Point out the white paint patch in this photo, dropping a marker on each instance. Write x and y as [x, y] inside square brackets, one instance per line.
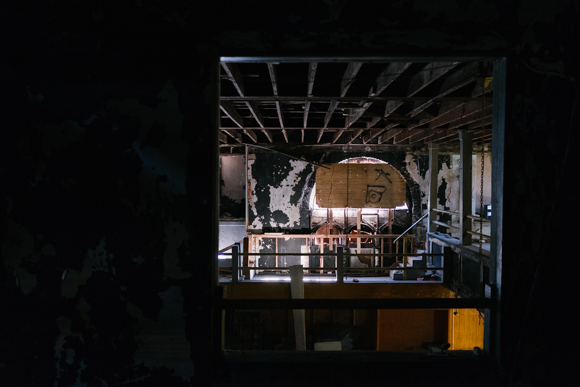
[452, 191]
[280, 196]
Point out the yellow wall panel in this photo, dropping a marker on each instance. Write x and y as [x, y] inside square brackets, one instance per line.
[360, 186]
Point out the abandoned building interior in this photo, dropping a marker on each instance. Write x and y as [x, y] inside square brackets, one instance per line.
[288, 193]
[362, 216]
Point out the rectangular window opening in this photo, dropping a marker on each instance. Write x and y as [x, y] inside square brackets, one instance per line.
[283, 119]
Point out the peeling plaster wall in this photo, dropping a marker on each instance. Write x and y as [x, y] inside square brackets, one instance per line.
[109, 174]
[448, 184]
[280, 190]
[233, 185]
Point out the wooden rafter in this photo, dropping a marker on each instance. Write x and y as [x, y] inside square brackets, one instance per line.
[232, 113]
[405, 134]
[233, 134]
[422, 79]
[274, 80]
[449, 105]
[459, 113]
[376, 132]
[388, 135]
[347, 79]
[388, 76]
[235, 77]
[423, 135]
[311, 75]
[453, 82]
[470, 119]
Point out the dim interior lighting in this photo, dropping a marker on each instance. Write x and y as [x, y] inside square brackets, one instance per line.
[221, 256]
[275, 279]
[287, 279]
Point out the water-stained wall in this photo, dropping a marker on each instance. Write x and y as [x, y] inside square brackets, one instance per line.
[280, 190]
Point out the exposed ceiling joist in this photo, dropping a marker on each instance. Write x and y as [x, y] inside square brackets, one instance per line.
[422, 79]
[233, 134]
[389, 134]
[455, 81]
[405, 134]
[232, 113]
[388, 103]
[347, 79]
[274, 80]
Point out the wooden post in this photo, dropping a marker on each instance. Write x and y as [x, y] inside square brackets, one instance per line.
[339, 264]
[433, 174]
[404, 256]
[391, 221]
[276, 243]
[447, 264]
[358, 221]
[465, 176]
[246, 265]
[297, 290]
[382, 251]
[330, 240]
[235, 262]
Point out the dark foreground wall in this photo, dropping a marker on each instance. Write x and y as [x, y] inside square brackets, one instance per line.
[109, 172]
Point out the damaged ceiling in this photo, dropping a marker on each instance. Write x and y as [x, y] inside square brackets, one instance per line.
[339, 104]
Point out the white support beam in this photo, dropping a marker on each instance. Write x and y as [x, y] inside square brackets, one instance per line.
[433, 174]
[297, 290]
[465, 176]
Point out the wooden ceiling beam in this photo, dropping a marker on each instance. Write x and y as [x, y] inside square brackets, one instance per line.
[422, 79]
[485, 121]
[274, 80]
[233, 134]
[453, 82]
[388, 76]
[311, 76]
[232, 113]
[375, 118]
[389, 134]
[376, 132]
[328, 99]
[458, 113]
[250, 133]
[443, 134]
[422, 135]
[234, 76]
[223, 138]
[348, 78]
[405, 134]
[469, 119]
[450, 105]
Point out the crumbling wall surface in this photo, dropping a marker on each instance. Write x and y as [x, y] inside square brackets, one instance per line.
[448, 183]
[109, 173]
[232, 187]
[280, 191]
[95, 242]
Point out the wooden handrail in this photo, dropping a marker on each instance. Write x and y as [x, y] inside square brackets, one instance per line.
[413, 225]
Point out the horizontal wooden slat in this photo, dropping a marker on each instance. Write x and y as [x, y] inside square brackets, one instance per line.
[359, 186]
[366, 303]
